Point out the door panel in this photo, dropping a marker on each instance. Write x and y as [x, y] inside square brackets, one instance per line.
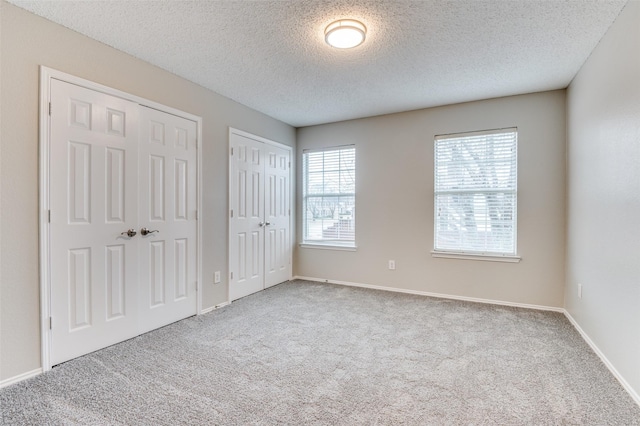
[181, 268]
[79, 182]
[167, 205]
[181, 188]
[93, 150]
[156, 188]
[115, 195]
[80, 288]
[114, 260]
[156, 273]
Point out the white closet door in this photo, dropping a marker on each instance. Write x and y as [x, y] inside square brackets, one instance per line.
[93, 200]
[260, 215]
[116, 166]
[168, 211]
[278, 215]
[246, 225]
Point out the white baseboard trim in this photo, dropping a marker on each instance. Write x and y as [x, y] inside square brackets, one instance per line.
[20, 377]
[604, 359]
[213, 308]
[438, 295]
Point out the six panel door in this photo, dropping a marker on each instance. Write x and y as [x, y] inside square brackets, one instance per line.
[246, 236]
[93, 181]
[168, 211]
[277, 211]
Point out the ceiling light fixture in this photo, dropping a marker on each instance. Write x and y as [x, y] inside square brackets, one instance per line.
[345, 33]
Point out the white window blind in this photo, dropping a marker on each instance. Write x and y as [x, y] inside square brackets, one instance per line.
[476, 192]
[329, 195]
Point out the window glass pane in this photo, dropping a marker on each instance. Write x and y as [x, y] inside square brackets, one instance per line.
[332, 182]
[475, 193]
[347, 181]
[331, 161]
[478, 162]
[329, 196]
[475, 222]
[315, 183]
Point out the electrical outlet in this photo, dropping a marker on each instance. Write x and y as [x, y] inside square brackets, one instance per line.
[579, 291]
[216, 277]
[392, 264]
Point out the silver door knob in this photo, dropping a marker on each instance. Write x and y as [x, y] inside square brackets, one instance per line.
[145, 231]
[129, 233]
[261, 224]
[267, 223]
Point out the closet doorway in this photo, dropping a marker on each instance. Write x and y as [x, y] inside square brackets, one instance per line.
[119, 227]
[260, 220]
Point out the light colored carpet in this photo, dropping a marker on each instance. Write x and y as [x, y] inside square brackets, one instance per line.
[310, 353]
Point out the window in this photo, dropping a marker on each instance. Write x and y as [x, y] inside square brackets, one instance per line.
[476, 193]
[329, 196]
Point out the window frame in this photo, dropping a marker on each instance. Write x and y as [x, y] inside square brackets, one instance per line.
[331, 244]
[461, 252]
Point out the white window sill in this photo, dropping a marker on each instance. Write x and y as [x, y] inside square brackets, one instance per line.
[322, 246]
[474, 256]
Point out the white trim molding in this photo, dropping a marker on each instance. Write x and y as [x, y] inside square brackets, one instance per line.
[327, 247]
[438, 295]
[603, 358]
[199, 214]
[215, 308]
[471, 256]
[20, 377]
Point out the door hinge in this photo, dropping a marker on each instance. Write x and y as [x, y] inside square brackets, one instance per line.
[50, 323]
[196, 214]
[49, 216]
[231, 151]
[197, 286]
[49, 108]
[231, 213]
[289, 164]
[231, 275]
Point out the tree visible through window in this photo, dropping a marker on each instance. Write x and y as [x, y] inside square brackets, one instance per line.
[476, 192]
[329, 196]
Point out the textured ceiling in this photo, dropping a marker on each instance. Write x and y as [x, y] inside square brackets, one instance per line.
[271, 55]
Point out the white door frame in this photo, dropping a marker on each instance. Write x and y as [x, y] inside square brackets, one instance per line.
[233, 131]
[46, 75]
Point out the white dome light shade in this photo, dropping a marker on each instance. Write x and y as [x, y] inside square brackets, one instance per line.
[345, 33]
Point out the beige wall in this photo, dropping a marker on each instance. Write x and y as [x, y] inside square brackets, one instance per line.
[603, 193]
[28, 41]
[394, 201]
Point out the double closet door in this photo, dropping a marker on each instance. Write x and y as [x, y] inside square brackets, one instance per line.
[260, 215]
[123, 228]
